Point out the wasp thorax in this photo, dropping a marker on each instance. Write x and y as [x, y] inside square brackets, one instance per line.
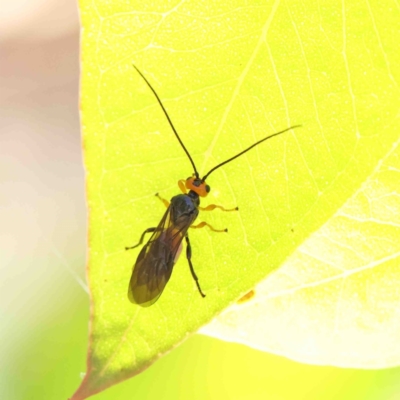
[198, 186]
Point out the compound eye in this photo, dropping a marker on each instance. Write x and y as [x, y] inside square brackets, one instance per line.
[208, 189]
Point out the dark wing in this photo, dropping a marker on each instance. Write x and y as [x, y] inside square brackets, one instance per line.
[154, 264]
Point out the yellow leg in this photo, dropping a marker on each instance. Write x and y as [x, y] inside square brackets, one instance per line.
[182, 186]
[203, 224]
[166, 202]
[211, 207]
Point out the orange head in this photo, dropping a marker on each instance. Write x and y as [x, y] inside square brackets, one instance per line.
[198, 186]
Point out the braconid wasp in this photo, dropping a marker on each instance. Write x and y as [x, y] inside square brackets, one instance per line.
[153, 267]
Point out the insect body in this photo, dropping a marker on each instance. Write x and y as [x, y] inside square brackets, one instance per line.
[154, 264]
[153, 267]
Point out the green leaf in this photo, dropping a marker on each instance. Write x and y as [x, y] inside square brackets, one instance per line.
[229, 73]
[335, 301]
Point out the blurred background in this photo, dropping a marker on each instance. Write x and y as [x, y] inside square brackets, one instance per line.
[44, 305]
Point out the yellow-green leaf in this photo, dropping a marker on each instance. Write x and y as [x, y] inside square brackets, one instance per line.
[229, 73]
[335, 301]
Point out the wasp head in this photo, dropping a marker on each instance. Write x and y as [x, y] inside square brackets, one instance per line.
[198, 186]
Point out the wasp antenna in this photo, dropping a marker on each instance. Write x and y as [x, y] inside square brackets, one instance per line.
[168, 118]
[246, 150]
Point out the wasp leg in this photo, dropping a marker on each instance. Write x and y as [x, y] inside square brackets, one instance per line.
[148, 230]
[211, 207]
[166, 202]
[203, 224]
[189, 258]
[182, 186]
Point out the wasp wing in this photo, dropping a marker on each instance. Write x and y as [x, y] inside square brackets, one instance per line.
[155, 261]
